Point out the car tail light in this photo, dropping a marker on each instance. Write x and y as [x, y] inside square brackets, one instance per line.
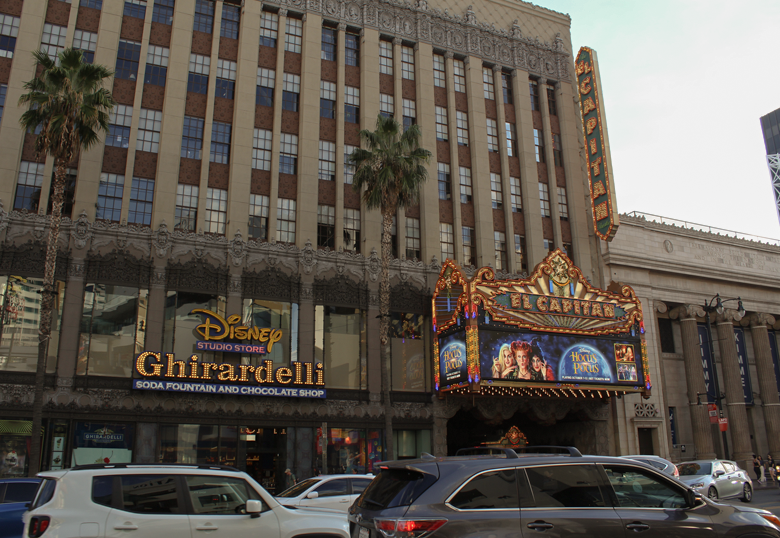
[408, 528]
[772, 519]
[676, 472]
[38, 526]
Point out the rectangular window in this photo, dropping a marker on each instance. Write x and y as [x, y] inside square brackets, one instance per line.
[329, 44]
[534, 89]
[549, 245]
[198, 80]
[135, 8]
[119, 121]
[352, 49]
[412, 238]
[285, 220]
[566, 247]
[141, 198]
[557, 150]
[156, 65]
[563, 206]
[258, 217]
[349, 168]
[409, 113]
[3, 92]
[53, 40]
[9, 30]
[266, 81]
[149, 125]
[340, 345]
[516, 194]
[294, 36]
[327, 99]
[269, 29]
[465, 185]
[291, 89]
[326, 226]
[327, 167]
[351, 104]
[109, 205]
[463, 128]
[499, 243]
[544, 199]
[666, 334]
[445, 181]
[192, 138]
[439, 75]
[492, 135]
[407, 63]
[28, 186]
[506, 85]
[394, 237]
[226, 79]
[459, 72]
[86, 42]
[231, 17]
[511, 139]
[288, 154]
[94, 4]
[520, 252]
[68, 194]
[386, 105]
[469, 246]
[539, 145]
[204, 16]
[487, 83]
[442, 128]
[186, 216]
[216, 211]
[220, 142]
[551, 101]
[496, 194]
[127, 59]
[261, 150]
[447, 241]
[352, 230]
[386, 58]
[162, 11]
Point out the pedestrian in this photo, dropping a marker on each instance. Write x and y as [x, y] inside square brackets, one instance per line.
[757, 467]
[289, 479]
[770, 468]
[761, 477]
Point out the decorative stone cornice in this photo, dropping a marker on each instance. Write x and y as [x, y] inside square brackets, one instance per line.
[686, 311]
[729, 315]
[759, 319]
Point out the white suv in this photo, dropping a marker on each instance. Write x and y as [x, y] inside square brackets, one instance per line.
[167, 501]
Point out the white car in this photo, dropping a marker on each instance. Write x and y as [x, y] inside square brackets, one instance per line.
[166, 501]
[335, 492]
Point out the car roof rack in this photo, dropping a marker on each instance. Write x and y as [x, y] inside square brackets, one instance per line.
[546, 449]
[212, 466]
[485, 451]
[512, 453]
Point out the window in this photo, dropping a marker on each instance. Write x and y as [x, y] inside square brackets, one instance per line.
[327, 167]
[506, 86]
[269, 28]
[162, 11]
[141, 198]
[386, 58]
[9, 30]
[487, 83]
[258, 216]
[520, 252]
[3, 92]
[463, 128]
[261, 150]
[109, 206]
[94, 4]
[135, 8]
[216, 211]
[285, 220]
[291, 87]
[499, 243]
[231, 16]
[469, 246]
[565, 486]
[119, 121]
[412, 238]
[127, 59]
[288, 154]
[567, 249]
[186, 216]
[494, 490]
[496, 195]
[351, 104]
[515, 194]
[352, 230]
[86, 42]
[198, 80]
[407, 347]
[445, 181]
[329, 44]
[204, 16]
[511, 139]
[563, 206]
[549, 245]
[534, 89]
[349, 168]
[544, 199]
[539, 145]
[439, 76]
[68, 194]
[666, 332]
[394, 237]
[149, 124]
[459, 72]
[465, 185]
[161, 499]
[266, 81]
[333, 488]
[192, 138]
[220, 142]
[294, 35]
[557, 150]
[326, 226]
[339, 343]
[551, 101]
[226, 78]
[637, 488]
[442, 130]
[327, 99]
[409, 113]
[156, 65]
[28, 186]
[205, 500]
[492, 135]
[53, 40]
[407, 63]
[352, 49]
[447, 241]
[386, 105]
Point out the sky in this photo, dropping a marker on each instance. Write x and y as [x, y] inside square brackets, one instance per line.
[684, 85]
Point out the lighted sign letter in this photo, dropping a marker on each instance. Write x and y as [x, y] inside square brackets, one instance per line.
[602, 211]
[541, 303]
[585, 86]
[595, 167]
[598, 189]
[593, 146]
[591, 125]
[140, 364]
[588, 106]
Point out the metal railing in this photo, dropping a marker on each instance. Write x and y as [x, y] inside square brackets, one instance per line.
[703, 228]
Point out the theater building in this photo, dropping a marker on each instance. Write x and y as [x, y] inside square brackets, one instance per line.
[218, 220]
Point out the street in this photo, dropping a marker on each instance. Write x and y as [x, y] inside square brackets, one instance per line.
[767, 498]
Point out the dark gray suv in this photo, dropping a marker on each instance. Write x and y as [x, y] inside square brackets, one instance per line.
[546, 495]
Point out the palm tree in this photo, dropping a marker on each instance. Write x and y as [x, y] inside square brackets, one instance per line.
[71, 106]
[390, 173]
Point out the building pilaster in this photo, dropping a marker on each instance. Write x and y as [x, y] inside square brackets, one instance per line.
[766, 379]
[549, 156]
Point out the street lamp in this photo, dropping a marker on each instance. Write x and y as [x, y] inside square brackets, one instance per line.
[716, 305]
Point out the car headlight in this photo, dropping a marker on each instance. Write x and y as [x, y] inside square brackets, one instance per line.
[697, 485]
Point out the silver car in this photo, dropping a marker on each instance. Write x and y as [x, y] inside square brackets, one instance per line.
[663, 465]
[335, 492]
[718, 479]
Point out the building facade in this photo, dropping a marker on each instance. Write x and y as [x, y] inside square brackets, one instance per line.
[223, 185]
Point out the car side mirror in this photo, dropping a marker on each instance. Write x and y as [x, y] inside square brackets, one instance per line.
[719, 473]
[690, 498]
[28, 505]
[312, 495]
[254, 507]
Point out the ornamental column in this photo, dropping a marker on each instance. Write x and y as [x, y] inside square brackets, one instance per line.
[766, 378]
[694, 378]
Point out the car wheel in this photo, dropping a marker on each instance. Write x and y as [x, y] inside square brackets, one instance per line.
[712, 493]
[747, 493]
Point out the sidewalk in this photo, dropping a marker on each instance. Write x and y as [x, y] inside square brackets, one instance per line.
[764, 485]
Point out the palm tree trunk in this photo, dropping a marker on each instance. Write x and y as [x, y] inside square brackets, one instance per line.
[384, 331]
[47, 303]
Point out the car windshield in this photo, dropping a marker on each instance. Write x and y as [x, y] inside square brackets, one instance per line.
[692, 469]
[298, 488]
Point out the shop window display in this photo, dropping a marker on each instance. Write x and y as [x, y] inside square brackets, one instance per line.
[14, 447]
[340, 344]
[276, 315]
[353, 451]
[179, 334]
[101, 442]
[410, 444]
[198, 443]
[409, 352]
